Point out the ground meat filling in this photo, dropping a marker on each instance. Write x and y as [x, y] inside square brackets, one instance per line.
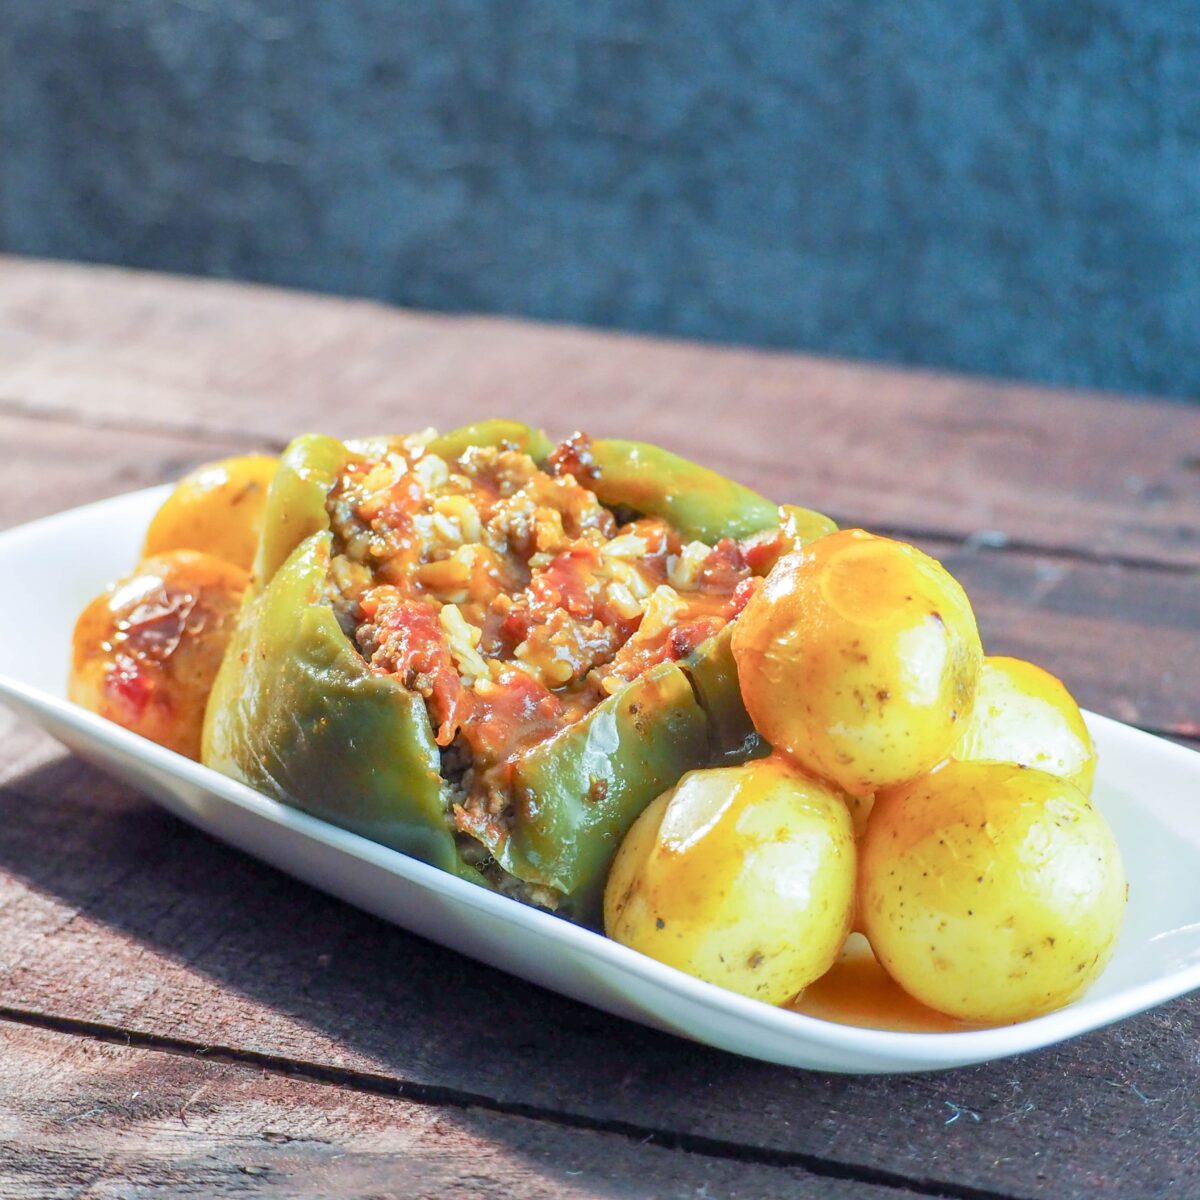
[510, 598]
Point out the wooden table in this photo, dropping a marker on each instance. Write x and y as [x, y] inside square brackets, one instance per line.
[178, 1019]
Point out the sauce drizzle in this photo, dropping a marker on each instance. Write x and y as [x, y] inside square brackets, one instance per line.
[857, 991]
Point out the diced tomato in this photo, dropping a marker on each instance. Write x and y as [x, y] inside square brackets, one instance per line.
[760, 552]
[725, 567]
[514, 629]
[393, 508]
[742, 594]
[568, 582]
[574, 457]
[411, 647]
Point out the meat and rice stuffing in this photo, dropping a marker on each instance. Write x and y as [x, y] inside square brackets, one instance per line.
[510, 598]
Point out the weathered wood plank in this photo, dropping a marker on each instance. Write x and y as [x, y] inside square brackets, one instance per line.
[1125, 640]
[115, 913]
[887, 448]
[53, 465]
[82, 1118]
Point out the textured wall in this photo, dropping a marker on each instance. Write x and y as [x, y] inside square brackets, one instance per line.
[1004, 188]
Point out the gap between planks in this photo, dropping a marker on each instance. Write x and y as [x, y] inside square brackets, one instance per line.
[445, 1097]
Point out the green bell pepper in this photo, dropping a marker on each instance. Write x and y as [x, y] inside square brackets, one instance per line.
[308, 469]
[712, 673]
[507, 435]
[699, 502]
[298, 714]
[577, 793]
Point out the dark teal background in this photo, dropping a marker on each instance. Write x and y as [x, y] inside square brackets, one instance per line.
[1010, 188]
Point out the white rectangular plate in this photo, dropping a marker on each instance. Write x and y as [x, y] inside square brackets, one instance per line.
[1148, 788]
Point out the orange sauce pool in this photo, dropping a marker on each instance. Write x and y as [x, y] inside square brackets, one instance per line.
[857, 991]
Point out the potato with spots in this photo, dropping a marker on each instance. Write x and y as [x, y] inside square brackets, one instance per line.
[743, 876]
[146, 652]
[858, 657]
[990, 892]
[1025, 715]
[217, 509]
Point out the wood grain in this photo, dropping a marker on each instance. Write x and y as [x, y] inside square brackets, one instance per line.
[113, 912]
[58, 465]
[120, 922]
[83, 1118]
[907, 450]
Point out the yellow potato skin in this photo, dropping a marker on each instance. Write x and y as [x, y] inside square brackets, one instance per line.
[743, 876]
[1025, 715]
[216, 509]
[989, 892]
[146, 652]
[859, 657]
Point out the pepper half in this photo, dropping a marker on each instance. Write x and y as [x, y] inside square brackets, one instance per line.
[697, 501]
[297, 713]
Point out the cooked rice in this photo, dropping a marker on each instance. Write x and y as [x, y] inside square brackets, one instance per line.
[543, 603]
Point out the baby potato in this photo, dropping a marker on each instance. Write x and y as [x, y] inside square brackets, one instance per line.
[990, 892]
[858, 657]
[217, 509]
[743, 876]
[1025, 715]
[146, 652]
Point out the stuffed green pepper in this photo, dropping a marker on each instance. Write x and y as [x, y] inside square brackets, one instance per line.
[489, 651]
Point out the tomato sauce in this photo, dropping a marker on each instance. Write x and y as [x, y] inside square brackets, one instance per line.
[552, 599]
[411, 647]
[857, 991]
